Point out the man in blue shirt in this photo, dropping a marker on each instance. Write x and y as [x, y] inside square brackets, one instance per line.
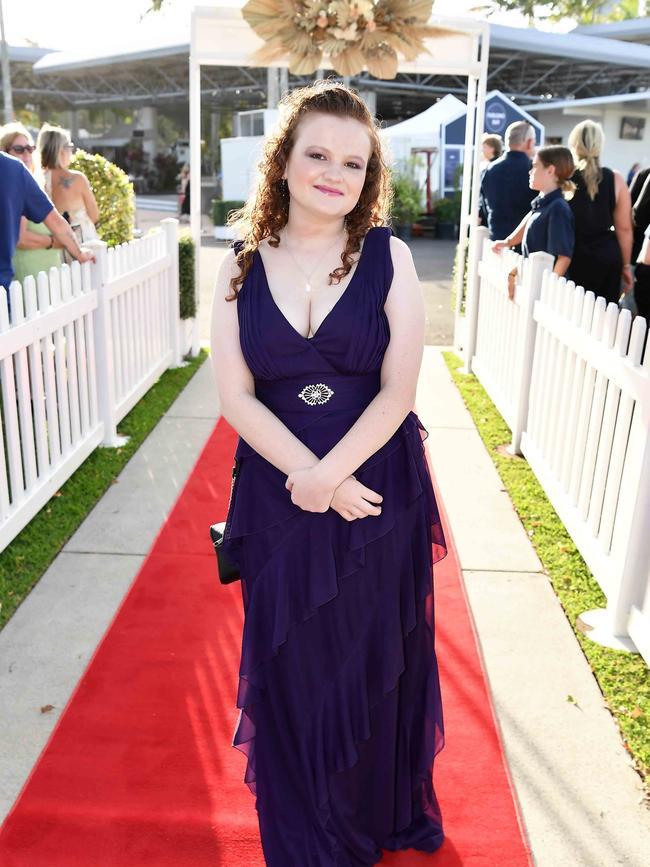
[20, 196]
[505, 192]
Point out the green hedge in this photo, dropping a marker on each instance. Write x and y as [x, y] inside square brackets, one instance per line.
[114, 194]
[186, 253]
[221, 209]
[406, 207]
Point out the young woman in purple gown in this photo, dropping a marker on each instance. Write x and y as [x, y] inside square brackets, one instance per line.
[333, 520]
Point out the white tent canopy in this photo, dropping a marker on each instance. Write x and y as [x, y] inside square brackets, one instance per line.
[221, 37]
[427, 122]
[419, 133]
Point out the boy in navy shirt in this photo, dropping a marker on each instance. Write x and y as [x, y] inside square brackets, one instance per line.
[20, 196]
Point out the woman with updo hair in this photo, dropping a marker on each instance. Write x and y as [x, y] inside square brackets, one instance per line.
[602, 209]
[70, 190]
[548, 226]
[317, 338]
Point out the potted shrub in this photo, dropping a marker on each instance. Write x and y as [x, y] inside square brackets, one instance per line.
[406, 204]
[220, 210]
[114, 194]
[448, 217]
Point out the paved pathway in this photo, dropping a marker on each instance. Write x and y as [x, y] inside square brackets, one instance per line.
[581, 798]
[579, 793]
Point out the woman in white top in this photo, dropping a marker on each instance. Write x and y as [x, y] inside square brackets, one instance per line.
[69, 190]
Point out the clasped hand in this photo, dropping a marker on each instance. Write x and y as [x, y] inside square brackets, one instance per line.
[350, 499]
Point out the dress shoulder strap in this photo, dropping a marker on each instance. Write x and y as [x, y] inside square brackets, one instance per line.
[378, 261]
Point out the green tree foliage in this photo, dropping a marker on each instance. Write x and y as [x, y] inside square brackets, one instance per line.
[580, 11]
[114, 194]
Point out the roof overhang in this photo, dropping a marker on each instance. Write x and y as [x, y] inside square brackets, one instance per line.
[63, 62]
[594, 101]
[631, 30]
[569, 46]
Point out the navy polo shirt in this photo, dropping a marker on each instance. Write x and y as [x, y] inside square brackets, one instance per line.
[506, 194]
[20, 196]
[551, 227]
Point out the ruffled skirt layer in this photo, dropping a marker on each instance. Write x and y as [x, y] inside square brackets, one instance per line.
[341, 713]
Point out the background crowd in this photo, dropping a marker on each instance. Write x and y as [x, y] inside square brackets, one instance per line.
[564, 202]
[32, 238]
[556, 199]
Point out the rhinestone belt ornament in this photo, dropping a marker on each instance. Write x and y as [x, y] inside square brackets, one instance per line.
[315, 394]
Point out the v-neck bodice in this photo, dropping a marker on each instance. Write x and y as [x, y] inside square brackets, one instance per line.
[351, 339]
[349, 288]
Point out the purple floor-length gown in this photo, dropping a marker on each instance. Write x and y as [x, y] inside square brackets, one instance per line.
[341, 713]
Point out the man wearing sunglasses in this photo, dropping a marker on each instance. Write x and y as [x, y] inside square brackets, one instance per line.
[21, 196]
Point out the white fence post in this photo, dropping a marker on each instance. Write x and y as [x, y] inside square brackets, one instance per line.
[104, 347]
[622, 624]
[477, 238]
[534, 268]
[177, 325]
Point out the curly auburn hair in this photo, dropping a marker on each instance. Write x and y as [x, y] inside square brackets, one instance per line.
[267, 212]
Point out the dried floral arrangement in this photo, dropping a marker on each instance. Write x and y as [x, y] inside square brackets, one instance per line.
[354, 34]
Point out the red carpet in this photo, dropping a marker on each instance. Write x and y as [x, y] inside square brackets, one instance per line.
[140, 769]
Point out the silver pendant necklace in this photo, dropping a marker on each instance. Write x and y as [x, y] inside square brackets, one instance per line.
[315, 268]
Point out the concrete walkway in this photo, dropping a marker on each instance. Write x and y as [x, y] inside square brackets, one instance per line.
[580, 796]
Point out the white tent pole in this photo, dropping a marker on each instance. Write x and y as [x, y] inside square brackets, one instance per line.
[195, 188]
[468, 162]
[221, 37]
[471, 302]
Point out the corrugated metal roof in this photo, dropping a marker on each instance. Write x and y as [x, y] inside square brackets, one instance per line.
[569, 45]
[576, 45]
[634, 29]
[28, 53]
[67, 61]
[641, 96]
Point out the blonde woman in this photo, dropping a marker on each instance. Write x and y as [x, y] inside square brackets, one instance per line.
[37, 249]
[69, 190]
[602, 209]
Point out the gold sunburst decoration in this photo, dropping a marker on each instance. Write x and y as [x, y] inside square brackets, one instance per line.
[354, 34]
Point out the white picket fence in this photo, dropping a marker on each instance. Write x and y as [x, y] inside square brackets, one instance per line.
[571, 377]
[82, 346]
[506, 330]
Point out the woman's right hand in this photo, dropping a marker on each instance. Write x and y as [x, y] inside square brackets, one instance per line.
[498, 246]
[351, 498]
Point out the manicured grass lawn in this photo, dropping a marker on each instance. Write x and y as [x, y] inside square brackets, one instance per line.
[624, 678]
[24, 561]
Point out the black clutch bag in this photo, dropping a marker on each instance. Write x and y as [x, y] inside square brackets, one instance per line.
[228, 571]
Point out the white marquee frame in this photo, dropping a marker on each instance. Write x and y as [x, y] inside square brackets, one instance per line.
[221, 37]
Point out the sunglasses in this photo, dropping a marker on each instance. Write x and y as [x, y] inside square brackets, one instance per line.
[21, 149]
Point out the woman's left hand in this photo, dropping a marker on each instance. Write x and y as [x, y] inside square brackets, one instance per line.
[309, 491]
[627, 278]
